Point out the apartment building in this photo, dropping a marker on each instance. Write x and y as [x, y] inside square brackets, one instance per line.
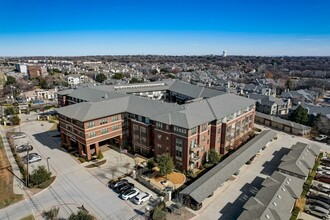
[36, 71]
[94, 117]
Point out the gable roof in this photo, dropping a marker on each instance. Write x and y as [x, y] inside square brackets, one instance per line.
[210, 181]
[300, 160]
[275, 199]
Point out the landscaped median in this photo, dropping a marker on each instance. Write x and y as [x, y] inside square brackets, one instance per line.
[7, 195]
[40, 178]
[300, 204]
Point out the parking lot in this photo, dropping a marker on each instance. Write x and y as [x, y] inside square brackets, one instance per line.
[75, 185]
[229, 199]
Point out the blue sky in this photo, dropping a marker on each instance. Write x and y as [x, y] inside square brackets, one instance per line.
[181, 27]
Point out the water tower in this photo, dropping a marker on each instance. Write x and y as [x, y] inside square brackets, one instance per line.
[224, 53]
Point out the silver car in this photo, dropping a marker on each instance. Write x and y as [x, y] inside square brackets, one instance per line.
[317, 211]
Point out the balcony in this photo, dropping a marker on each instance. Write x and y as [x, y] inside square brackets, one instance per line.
[194, 148]
[194, 158]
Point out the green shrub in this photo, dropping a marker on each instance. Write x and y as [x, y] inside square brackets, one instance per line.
[82, 159]
[100, 155]
[39, 176]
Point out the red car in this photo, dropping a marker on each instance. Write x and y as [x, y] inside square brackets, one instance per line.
[323, 178]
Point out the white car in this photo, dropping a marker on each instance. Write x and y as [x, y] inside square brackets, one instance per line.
[323, 168]
[142, 197]
[130, 194]
[32, 158]
[324, 172]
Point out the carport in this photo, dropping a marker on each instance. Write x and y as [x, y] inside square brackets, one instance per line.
[198, 191]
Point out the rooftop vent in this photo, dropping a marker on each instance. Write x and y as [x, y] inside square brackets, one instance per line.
[278, 196]
[274, 203]
[283, 189]
[267, 216]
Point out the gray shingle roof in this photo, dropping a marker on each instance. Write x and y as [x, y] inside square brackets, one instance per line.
[210, 181]
[193, 91]
[283, 121]
[186, 116]
[300, 160]
[86, 111]
[275, 200]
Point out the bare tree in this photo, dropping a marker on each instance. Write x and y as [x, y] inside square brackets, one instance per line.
[127, 166]
[113, 171]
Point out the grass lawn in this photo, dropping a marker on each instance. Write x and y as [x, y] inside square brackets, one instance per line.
[30, 217]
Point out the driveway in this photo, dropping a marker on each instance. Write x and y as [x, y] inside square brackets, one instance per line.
[75, 185]
[228, 201]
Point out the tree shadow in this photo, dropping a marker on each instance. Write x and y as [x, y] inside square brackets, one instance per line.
[232, 211]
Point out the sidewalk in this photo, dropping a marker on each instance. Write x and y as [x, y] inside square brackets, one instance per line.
[18, 186]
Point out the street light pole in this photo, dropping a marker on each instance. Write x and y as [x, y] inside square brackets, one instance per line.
[27, 167]
[48, 163]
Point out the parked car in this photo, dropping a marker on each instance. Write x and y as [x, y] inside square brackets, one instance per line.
[32, 158]
[323, 172]
[322, 178]
[141, 198]
[318, 211]
[23, 148]
[321, 187]
[323, 168]
[18, 135]
[319, 197]
[316, 202]
[130, 194]
[114, 184]
[125, 187]
[321, 137]
[325, 161]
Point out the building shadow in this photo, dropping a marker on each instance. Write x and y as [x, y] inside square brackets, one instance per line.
[272, 165]
[49, 139]
[232, 211]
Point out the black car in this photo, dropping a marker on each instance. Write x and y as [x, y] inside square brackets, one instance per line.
[23, 148]
[319, 203]
[127, 187]
[115, 184]
[320, 197]
[122, 188]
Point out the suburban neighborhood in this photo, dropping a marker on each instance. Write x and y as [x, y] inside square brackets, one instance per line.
[88, 138]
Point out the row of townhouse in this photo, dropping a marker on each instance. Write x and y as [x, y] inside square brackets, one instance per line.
[187, 132]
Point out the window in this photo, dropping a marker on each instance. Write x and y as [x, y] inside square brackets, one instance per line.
[219, 130]
[193, 131]
[115, 118]
[203, 138]
[103, 121]
[178, 142]
[90, 124]
[218, 140]
[159, 137]
[115, 127]
[104, 130]
[167, 138]
[91, 134]
[179, 130]
[147, 121]
[159, 146]
[204, 127]
[159, 125]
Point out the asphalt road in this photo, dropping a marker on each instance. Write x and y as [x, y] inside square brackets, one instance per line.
[74, 186]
